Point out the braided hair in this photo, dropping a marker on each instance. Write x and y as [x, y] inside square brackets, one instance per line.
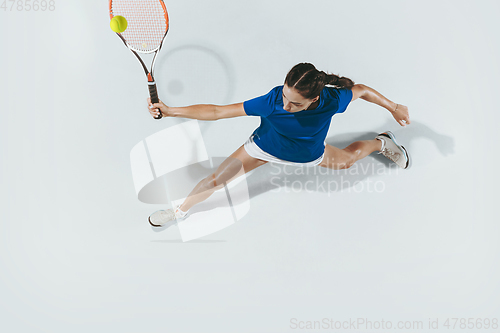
[309, 82]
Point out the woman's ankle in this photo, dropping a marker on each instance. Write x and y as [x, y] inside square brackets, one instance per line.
[183, 208]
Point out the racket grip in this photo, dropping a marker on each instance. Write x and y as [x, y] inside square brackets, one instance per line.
[153, 93]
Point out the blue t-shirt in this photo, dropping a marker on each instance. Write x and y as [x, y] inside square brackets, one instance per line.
[298, 136]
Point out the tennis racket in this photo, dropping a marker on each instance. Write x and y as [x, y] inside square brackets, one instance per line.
[147, 27]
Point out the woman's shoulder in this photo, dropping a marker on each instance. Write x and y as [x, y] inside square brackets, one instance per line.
[337, 93]
[263, 105]
[277, 90]
[333, 91]
[276, 93]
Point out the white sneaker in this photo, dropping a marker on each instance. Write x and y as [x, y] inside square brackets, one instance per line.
[393, 151]
[167, 217]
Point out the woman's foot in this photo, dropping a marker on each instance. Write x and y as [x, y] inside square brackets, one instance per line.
[169, 217]
[393, 151]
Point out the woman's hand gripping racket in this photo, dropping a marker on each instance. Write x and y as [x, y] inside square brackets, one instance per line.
[147, 26]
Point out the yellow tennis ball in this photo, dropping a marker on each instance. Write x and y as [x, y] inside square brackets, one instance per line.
[118, 24]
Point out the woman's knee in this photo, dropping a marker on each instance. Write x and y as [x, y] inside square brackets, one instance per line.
[213, 182]
[229, 170]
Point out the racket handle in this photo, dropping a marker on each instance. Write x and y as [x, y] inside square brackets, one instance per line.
[153, 93]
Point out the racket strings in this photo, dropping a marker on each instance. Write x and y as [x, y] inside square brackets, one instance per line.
[147, 23]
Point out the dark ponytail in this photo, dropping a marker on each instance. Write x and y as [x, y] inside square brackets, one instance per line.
[309, 82]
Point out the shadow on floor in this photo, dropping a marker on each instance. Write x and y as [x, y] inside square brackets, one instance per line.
[273, 176]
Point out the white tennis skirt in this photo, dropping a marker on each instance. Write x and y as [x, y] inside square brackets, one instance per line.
[255, 151]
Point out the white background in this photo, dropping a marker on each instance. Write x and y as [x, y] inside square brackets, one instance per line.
[77, 253]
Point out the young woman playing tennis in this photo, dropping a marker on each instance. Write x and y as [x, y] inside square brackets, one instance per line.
[295, 119]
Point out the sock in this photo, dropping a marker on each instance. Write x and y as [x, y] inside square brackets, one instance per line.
[180, 212]
[383, 143]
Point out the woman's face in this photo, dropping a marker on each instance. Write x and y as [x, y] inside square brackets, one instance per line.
[293, 101]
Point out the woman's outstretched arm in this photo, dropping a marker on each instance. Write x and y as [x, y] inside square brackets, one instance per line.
[398, 111]
[199, 111]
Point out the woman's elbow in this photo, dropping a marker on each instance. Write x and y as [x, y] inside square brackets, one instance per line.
[358, 91]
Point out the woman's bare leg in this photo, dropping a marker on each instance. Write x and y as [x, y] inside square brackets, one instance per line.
[336, 158]
[233, 167]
